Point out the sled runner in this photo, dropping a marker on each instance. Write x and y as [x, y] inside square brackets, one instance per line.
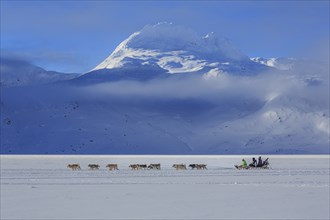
[252, 168]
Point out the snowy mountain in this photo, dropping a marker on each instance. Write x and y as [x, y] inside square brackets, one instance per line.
[164, 49]
[166, 90]
[22, 73]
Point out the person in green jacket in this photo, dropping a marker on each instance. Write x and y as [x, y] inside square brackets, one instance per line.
[243, 166]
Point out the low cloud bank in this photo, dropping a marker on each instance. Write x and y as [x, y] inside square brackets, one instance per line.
[310, 85]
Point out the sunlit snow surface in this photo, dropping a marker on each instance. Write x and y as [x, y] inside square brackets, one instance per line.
[41, 187]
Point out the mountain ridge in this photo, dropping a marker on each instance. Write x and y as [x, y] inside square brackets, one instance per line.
[17, 72]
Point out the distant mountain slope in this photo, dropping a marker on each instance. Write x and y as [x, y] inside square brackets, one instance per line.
[21, 73]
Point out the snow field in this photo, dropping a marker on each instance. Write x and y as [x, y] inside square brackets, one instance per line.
[41, 187]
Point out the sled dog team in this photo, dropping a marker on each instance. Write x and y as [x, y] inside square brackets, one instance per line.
[260, 164]
[153, 166]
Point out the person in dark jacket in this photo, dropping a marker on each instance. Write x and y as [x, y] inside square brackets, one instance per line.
[260, 163]
[254, 162]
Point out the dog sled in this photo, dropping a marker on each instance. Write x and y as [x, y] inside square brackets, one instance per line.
[264, 166]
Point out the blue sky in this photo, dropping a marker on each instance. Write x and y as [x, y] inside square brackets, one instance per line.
[74, 36]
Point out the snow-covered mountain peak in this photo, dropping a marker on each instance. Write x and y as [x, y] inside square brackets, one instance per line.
[170, 37]
[178, 49]
[163, 37]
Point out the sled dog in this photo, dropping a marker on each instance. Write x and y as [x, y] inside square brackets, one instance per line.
[180, 166]
[134, 166]
[154, 166]
[198, 166]
[112, 166]
[74, 166]
[142, 166]
[93, 166]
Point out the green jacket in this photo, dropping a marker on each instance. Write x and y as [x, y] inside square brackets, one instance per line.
[244, 164]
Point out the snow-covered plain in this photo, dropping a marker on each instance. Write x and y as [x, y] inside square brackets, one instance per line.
[41, 187]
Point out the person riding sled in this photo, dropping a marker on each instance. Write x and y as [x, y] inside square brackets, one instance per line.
[243, 166]
[254, 162]
[260, 163]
